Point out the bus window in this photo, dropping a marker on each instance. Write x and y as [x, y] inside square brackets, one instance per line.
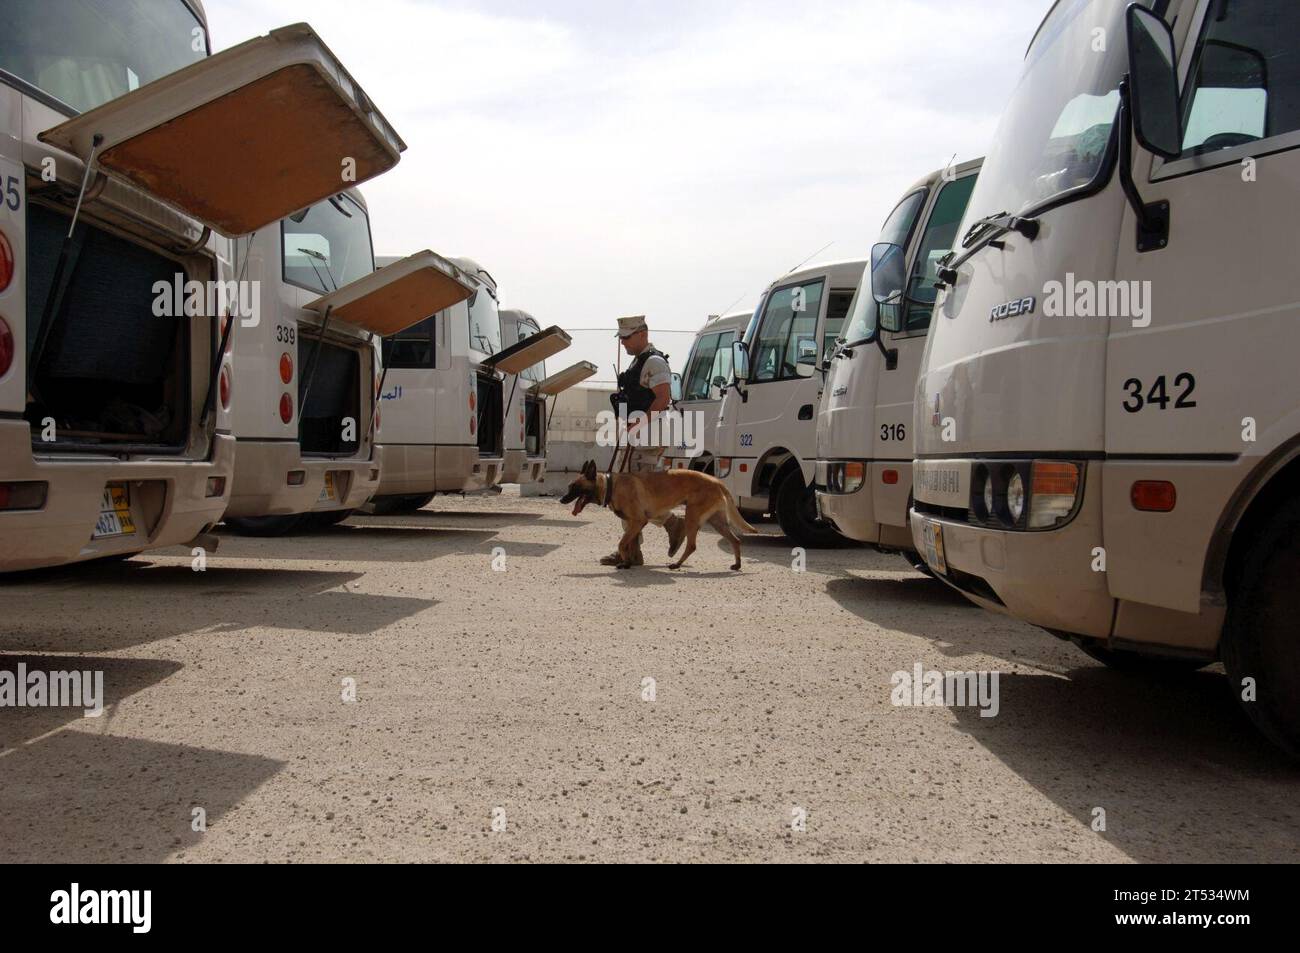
[837, 309]
[790, 317]
[328, 245]
[413, 347]
[1245, 84]
[936, 241]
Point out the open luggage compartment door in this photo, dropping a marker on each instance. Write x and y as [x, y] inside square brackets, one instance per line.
[563, 380]
[398, 295]
[531, 350]
[242, 138]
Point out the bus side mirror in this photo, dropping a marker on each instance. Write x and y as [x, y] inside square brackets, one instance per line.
[676, 387]
[888, 276]
[740, 361]
[806, 362]
[1153, 77]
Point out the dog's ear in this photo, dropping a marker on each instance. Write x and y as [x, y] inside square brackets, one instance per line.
[589, 469]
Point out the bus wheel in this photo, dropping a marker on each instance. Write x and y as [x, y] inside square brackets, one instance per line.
[266, 525]
[796, 511]
[1259, 647]
[1123, 661]
[398, 505]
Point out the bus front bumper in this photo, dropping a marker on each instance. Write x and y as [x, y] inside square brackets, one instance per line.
[417, 469]
[273, 478]
[1044, 577]
[168, 501]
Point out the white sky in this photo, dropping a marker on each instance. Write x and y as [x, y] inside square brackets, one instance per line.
[662, 158]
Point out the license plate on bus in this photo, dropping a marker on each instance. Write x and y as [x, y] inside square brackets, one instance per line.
[932, 536]
[114, 513]
[328, 493]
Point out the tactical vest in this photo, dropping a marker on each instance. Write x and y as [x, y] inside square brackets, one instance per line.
[630, 391]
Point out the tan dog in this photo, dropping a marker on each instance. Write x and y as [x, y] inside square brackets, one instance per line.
[641, 498]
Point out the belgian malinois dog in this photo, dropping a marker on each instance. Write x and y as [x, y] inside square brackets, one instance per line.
[641, 498]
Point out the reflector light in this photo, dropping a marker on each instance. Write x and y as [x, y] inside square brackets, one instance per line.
[889, 477]
[6, 262]
[1154, 496]
[223, 387]
[216, 486]
[23, 496]
[286, 368]
[286, 408]
[296, 477]
[6, 348]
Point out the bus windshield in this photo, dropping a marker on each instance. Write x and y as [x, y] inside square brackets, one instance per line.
[328, 245]
[87, 52]
[534, 372]
[863, 312]
[1055, 133]
[484, 322]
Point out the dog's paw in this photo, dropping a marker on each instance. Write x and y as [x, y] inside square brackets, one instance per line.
[735, 567]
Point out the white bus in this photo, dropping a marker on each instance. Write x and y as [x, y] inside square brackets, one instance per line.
[707, 374]
[864, 421]
[129, 158]
[766, 437]
[442, 410]
[308, 374]
[1108, 417]
[527, 403]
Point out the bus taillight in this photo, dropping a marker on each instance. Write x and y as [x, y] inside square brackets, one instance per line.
[6, 262]
[286, 408]
[6, 348]
[286, 368]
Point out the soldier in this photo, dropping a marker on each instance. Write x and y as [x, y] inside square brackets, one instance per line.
[646, 386]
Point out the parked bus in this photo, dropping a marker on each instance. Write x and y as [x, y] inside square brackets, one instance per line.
[766, 436]
[442, 410]
[1108, 420]
[525, 460]
[308, 375]
[707, 374]
[118, 164]
[864, 421]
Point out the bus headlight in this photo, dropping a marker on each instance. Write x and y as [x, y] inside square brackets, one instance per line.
[844, 476]
[1015, 498]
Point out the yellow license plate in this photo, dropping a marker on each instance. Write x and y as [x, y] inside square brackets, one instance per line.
[932, 536]
[114, 513]
[328, 493]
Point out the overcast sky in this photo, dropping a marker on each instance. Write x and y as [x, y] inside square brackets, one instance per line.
[667, 158]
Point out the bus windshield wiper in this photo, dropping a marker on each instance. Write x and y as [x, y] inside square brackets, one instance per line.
[1000, 222]
[983, 233]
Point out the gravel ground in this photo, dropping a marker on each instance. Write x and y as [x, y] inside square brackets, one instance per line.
[516, 697]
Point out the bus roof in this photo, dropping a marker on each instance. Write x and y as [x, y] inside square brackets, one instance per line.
[847, 270]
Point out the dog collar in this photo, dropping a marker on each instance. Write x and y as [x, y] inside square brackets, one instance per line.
[609, 489]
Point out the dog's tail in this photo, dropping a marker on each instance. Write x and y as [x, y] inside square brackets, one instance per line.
[734, 519]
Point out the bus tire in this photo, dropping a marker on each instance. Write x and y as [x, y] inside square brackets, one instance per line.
[399, 505]
[796, 512]
[328, 518]
[266, 526]
[1259, 637]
